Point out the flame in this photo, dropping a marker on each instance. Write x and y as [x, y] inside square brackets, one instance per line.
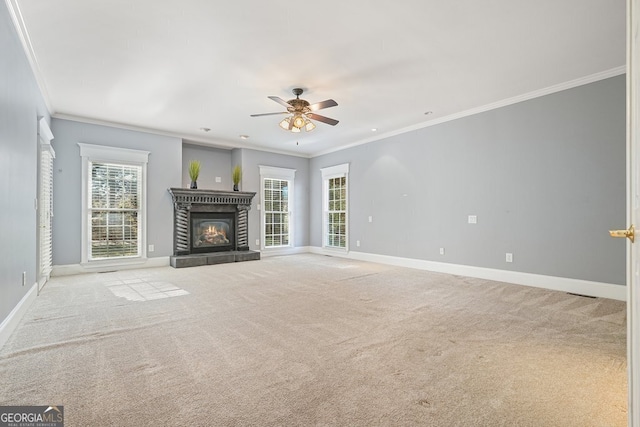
[214, 231]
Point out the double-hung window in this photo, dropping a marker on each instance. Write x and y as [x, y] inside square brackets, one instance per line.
[277, 206]
[114, 210]
[113, 202]
[335, 222]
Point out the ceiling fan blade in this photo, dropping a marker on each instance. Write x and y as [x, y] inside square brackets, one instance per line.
[324, 104]
[269, 114]
[322, 119]
[280, 101]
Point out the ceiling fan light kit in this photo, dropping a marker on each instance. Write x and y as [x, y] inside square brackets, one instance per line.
[301, 113]
[284, 124]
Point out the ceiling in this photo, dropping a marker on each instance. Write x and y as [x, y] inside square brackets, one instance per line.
[176, 67]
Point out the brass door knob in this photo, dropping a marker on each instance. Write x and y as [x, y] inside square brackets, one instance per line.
[630, 233]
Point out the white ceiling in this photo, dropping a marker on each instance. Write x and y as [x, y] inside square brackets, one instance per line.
[175, 67]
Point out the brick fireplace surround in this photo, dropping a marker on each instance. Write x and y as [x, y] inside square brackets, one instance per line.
[186, 201]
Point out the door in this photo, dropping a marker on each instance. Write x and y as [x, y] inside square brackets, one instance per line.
[633, 209]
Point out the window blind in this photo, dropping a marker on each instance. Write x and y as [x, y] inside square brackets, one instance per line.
[114, 210]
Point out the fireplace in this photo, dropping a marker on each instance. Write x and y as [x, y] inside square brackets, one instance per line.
[210, 227]
[212, 232]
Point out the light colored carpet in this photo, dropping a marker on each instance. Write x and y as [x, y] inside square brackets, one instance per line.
[310, 340]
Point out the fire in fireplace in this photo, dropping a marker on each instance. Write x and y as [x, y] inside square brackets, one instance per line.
[212, 231]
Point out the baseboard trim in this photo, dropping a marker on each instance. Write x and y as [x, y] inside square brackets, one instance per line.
[564, 284]
[265, 253]
[9, 324]
[72, 269]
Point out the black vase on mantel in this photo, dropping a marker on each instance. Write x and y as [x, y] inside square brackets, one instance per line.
[235, 187]
[194, 185]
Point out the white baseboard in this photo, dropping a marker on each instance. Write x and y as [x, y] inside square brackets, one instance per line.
[9, 324]
[41, 282]
[564, 284]
[577, 286]
[71, 269]
[285, 251]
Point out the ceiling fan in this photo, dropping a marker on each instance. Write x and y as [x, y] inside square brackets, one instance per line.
[301, 112]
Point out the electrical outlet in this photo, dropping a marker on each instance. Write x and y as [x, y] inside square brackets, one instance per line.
[257, 242]
[218, 179]
[441, 251]
[370, 219]
[473, 219]
[509, 257]
[152, 248]
[358, 243]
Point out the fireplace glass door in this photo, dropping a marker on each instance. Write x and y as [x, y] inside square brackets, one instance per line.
[212, 232]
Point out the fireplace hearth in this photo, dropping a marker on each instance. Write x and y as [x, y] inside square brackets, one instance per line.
[210, 227]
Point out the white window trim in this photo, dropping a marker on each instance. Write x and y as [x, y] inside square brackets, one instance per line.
[328, 173]
[105, 154]
[271, 172]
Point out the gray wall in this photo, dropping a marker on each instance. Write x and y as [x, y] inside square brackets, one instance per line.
[545, 177]
[163, 172]
[20, 107]
[215, 162]
[251, 160]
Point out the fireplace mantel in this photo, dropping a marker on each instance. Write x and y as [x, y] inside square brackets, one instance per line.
[187, 197]
[186, 201]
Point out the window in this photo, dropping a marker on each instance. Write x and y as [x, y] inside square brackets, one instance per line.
[337, 212]
[113, 200]
[276, 212]
[335, 203]
[277, 206]
[45, 203]
[114, 210]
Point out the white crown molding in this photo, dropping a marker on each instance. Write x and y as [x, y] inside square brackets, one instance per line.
[499, 104]
[187, 139]
[9, 324]
[564, 284]
[23, 35]
[16, 16]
